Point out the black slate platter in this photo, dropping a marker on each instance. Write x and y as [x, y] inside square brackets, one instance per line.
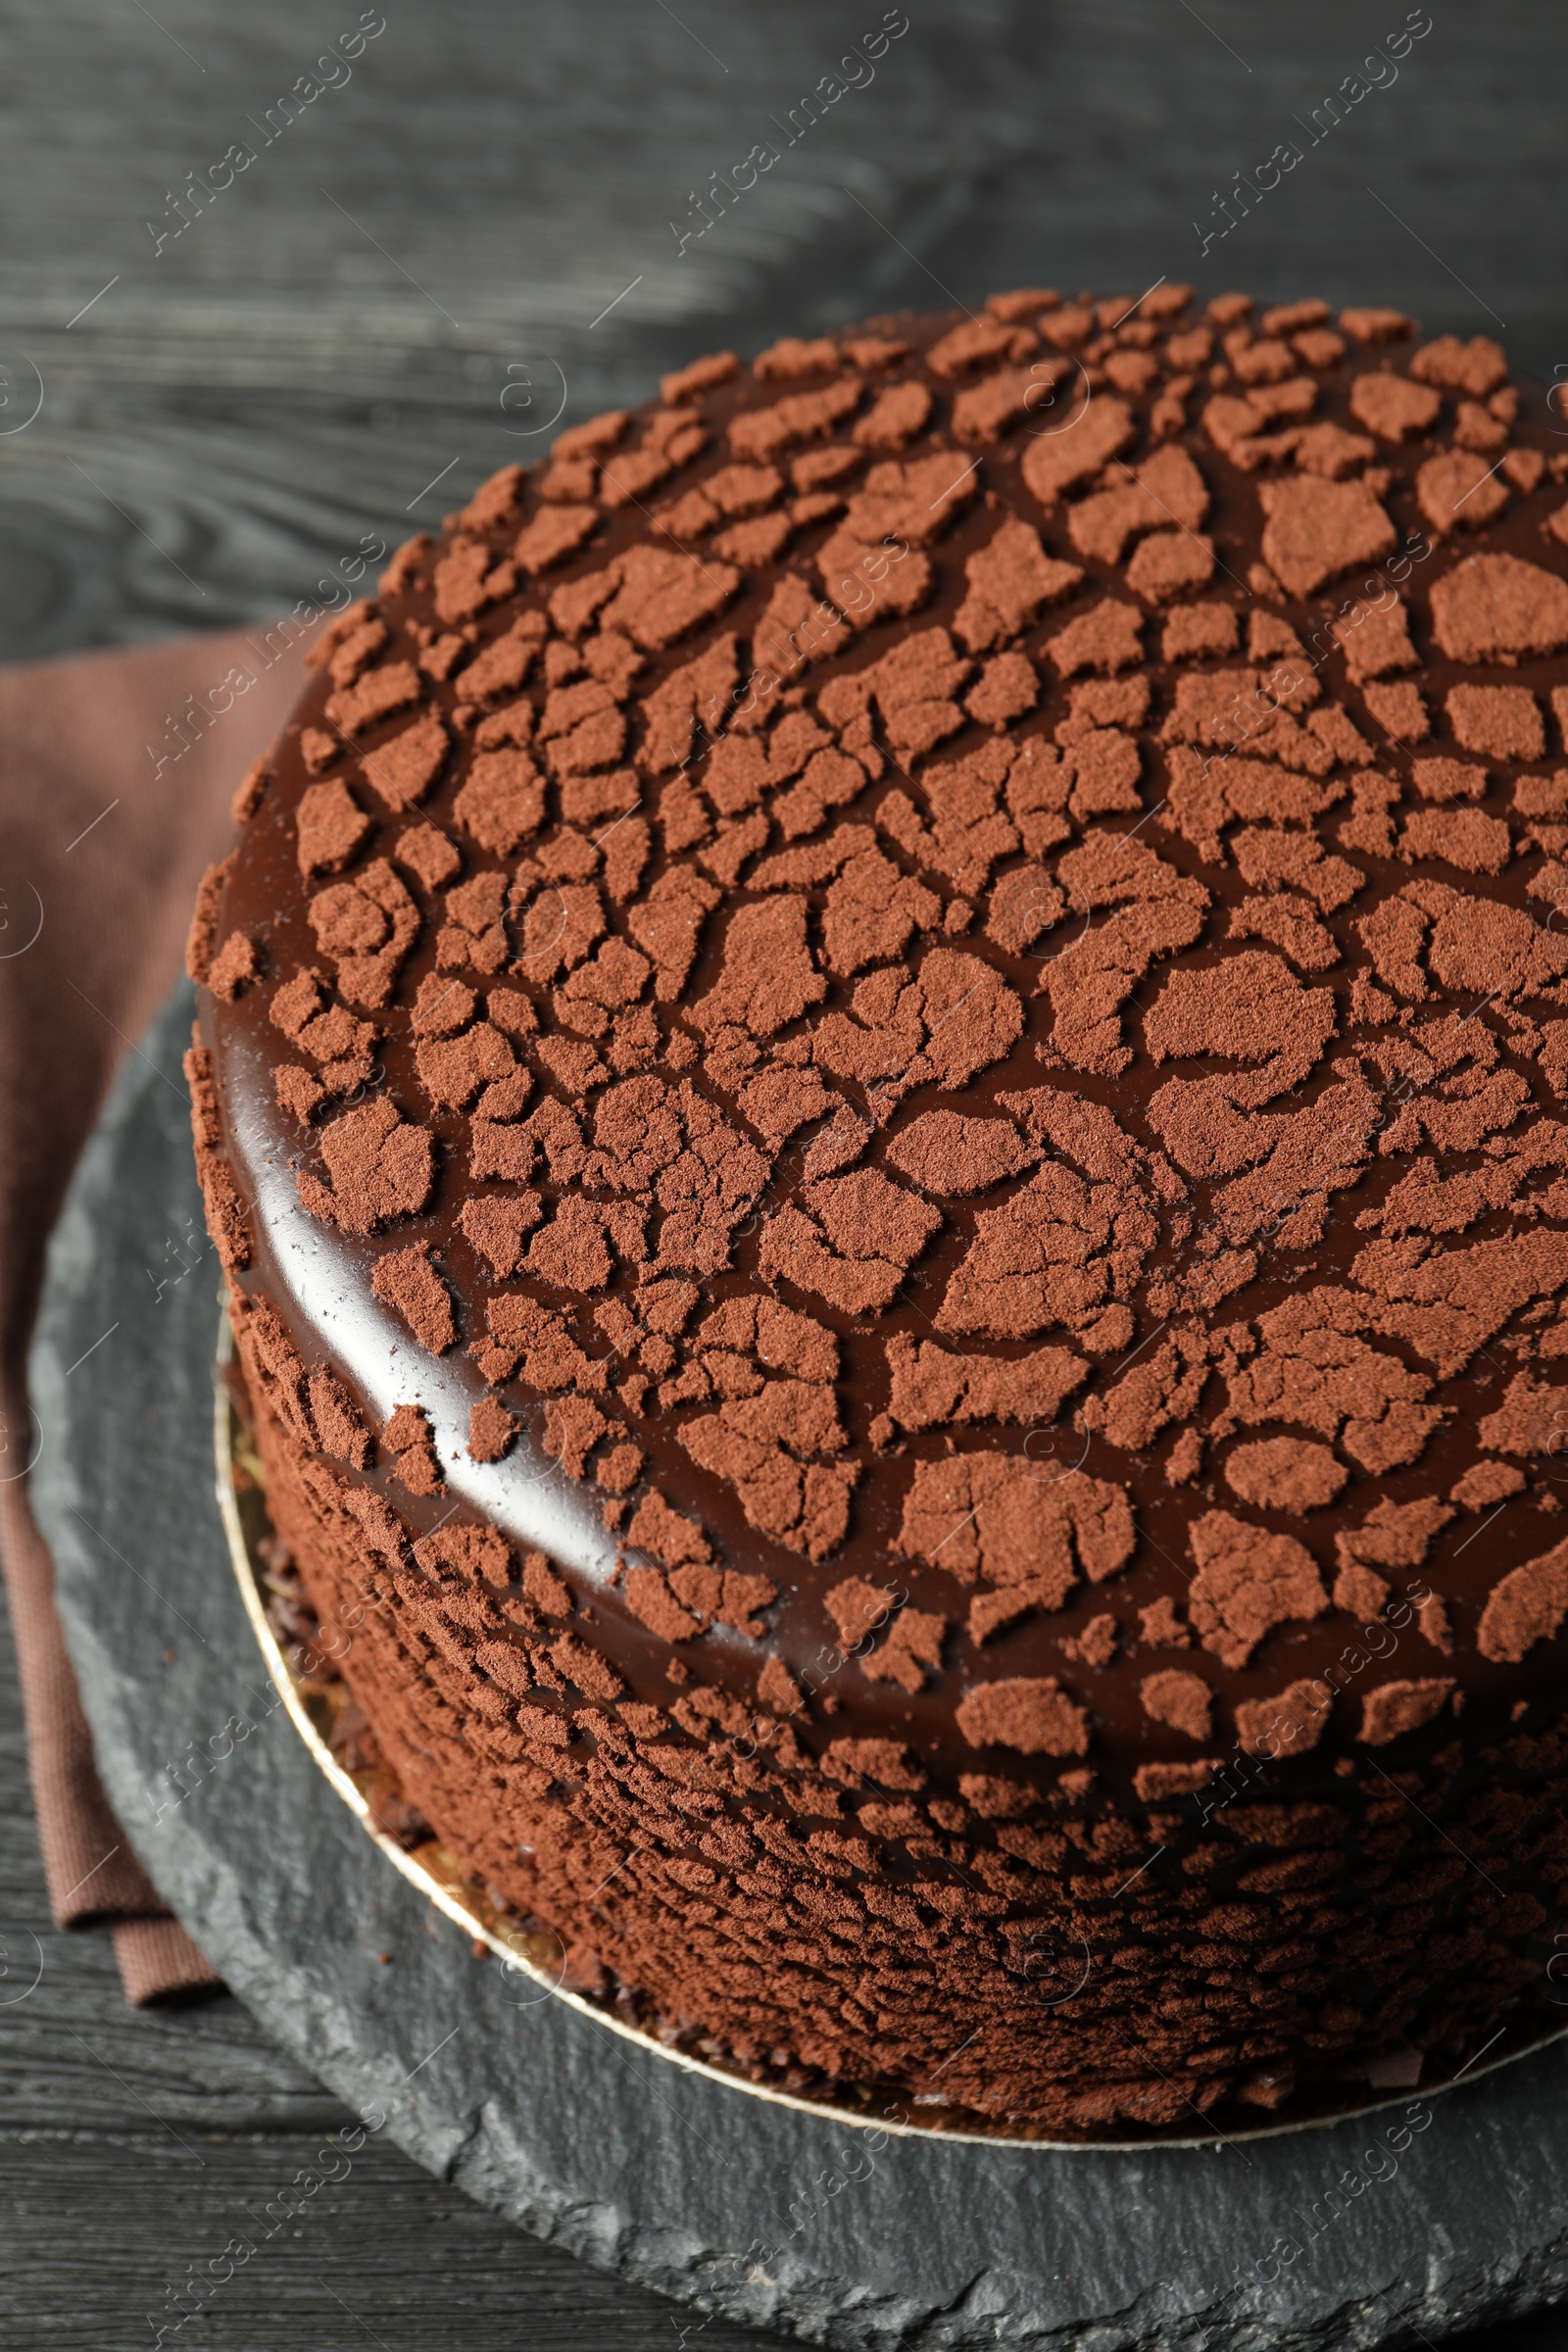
[1408, 2222]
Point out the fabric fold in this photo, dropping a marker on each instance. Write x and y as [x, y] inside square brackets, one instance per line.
[117, 771]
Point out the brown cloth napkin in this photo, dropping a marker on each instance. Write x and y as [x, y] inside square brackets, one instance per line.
[116, 777]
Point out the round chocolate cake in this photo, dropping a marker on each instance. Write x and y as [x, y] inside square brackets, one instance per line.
[880, 1075]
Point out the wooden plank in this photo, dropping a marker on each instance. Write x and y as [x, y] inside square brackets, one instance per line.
[102, 2242]
[73, 2057]
[232, 413]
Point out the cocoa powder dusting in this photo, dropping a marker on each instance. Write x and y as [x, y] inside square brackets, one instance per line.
[957, 1037]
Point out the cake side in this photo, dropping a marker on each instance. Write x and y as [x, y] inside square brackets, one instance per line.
[884, 1018]
[1068, 1971]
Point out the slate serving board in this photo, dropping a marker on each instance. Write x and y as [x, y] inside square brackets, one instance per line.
[1416, 2220]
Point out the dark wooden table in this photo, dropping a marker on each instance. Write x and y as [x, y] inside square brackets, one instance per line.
[482, 218]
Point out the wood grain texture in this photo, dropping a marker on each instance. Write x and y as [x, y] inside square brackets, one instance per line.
[227, 421]
[337, 328]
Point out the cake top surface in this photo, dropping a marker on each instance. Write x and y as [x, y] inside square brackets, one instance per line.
[923, 990]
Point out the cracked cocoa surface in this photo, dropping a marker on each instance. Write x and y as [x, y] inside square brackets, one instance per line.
[896, 1030]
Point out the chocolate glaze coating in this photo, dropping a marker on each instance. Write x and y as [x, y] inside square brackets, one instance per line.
[1251, 981]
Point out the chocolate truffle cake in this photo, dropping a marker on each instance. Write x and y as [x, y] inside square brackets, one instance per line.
[881, 1077]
